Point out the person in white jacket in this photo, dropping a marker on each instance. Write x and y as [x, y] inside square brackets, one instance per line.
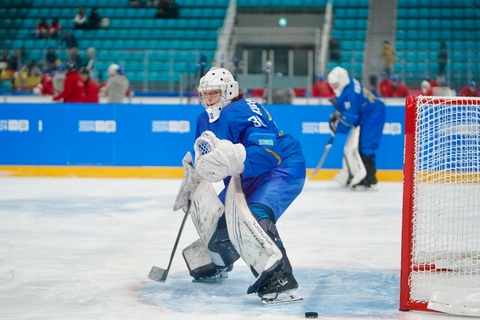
[117, 87]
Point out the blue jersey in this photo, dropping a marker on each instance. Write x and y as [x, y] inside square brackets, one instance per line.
[274, 167]
[360, 107]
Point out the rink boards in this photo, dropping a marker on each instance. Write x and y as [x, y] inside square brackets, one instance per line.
[147, 140]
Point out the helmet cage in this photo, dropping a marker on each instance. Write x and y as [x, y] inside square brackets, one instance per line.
[217, 83]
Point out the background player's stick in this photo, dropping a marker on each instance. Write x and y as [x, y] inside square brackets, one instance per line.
[322, 158]
[159, 274]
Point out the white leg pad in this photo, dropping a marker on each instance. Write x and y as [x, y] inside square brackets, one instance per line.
[247, 236]
[205, 210]
[197, 256]
[353, 166]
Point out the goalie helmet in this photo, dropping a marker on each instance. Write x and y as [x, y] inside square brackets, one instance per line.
[216, 90]
[338, 79]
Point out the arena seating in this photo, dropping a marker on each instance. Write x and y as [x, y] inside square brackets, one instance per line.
[350, 29]
[421, 25]
[158, 51]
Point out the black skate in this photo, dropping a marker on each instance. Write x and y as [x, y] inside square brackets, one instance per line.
[279, 288]
[219, 276]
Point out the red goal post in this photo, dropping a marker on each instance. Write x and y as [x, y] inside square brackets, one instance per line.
[440, 254]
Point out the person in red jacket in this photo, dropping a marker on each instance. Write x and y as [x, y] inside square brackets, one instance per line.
[321, 88]
[397, 89]
[470, 90]
[91, 88]
[385, 84]
[74, 87]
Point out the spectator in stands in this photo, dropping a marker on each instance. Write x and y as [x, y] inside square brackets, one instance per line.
[117, 87]
[50, 60]
[45, 87]
[321, 88]
[14, 61]
[28, 76]
[385, 84]
[55, 29]
[41, 30]
[397, 89]
[388, 55]
[81, 20]
[31, 69]
[426, 88]
[74, 88]
[58, 78]
[95, 20]
[4, 60]
[202, 63]
[74, 56]
[91, 56]
[442, 60]
[91, 87]
[167, 9]
[70, 41]
[470, 90]
[334, 49]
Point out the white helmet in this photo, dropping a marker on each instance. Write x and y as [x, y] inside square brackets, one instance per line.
[338, 79]
[112, 69]
[217, 79]
[425, 85]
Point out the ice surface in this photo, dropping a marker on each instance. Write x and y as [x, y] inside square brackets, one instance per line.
[75, 248]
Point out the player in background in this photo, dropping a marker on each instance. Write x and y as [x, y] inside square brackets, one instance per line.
[426, 88]
[58, 78]
[117, 87]
[358, 111]
[470, 90]
[385, 84]
[74, 88]
[397, 89]
[321, 88]
[91, 88]
[270, 164]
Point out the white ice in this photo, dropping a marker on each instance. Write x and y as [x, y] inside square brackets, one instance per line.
[77, 248]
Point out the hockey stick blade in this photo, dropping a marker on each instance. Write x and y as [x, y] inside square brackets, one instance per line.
[322, 158]
[159, 274]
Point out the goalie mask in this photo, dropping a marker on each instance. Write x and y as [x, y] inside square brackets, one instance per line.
[216, 90]
[338, 79]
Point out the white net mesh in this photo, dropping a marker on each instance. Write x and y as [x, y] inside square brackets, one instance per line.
[446, 196]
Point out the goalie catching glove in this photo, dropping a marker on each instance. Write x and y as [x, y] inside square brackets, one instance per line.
[217, 159]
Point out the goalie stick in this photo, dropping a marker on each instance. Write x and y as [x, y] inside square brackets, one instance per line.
[159, 274]
[323, 157]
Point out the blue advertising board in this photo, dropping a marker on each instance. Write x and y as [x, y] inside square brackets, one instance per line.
[157, 135]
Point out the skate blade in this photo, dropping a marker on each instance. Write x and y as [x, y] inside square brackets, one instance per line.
[282, 298]
[364, 188]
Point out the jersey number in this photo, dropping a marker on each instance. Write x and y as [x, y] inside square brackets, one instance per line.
[257, 122]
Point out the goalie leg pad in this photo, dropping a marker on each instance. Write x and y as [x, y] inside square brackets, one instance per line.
[205, 210]
[352, 163]
[249, 239]
[200, 264]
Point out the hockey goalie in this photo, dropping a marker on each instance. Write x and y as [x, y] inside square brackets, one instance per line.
[263, 171]
[356, 110]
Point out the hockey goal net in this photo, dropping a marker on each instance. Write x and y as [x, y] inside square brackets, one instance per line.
[440, 267]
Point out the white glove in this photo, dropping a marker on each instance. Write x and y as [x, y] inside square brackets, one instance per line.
[217, 159]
